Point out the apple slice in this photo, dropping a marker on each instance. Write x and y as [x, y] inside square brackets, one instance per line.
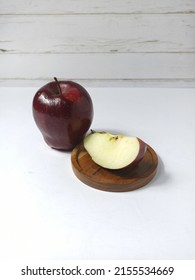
[114, 151]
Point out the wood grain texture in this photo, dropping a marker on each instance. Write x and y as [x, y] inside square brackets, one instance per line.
[91, 7]
[121, 180]
[99, 66]
[97, 33]
[103, 83]
[130, 42]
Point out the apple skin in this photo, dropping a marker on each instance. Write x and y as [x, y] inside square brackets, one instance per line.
[142, 151]
[63, 112]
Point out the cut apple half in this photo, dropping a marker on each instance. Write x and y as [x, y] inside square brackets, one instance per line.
[114, 151]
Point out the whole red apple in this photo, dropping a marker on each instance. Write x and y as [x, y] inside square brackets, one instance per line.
[63, 111]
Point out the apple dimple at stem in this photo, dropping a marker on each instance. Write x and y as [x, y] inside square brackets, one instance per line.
[68, 91]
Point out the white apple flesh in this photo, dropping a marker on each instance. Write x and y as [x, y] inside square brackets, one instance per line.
[114, 151]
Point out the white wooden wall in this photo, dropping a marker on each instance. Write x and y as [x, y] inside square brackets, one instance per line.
[98, 43]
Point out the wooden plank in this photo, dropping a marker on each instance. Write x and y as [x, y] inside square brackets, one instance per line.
[133, 83]
[100, 6]
[97, 33]
[97, 67]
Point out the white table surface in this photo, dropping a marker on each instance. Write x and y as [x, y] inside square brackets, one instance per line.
[46, 212]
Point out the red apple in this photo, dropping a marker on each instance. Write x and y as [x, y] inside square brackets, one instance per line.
[63, 111]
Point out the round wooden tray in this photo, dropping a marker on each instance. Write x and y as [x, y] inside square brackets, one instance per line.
[93, 175]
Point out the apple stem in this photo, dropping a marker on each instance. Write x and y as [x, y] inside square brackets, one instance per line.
[58, 85]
